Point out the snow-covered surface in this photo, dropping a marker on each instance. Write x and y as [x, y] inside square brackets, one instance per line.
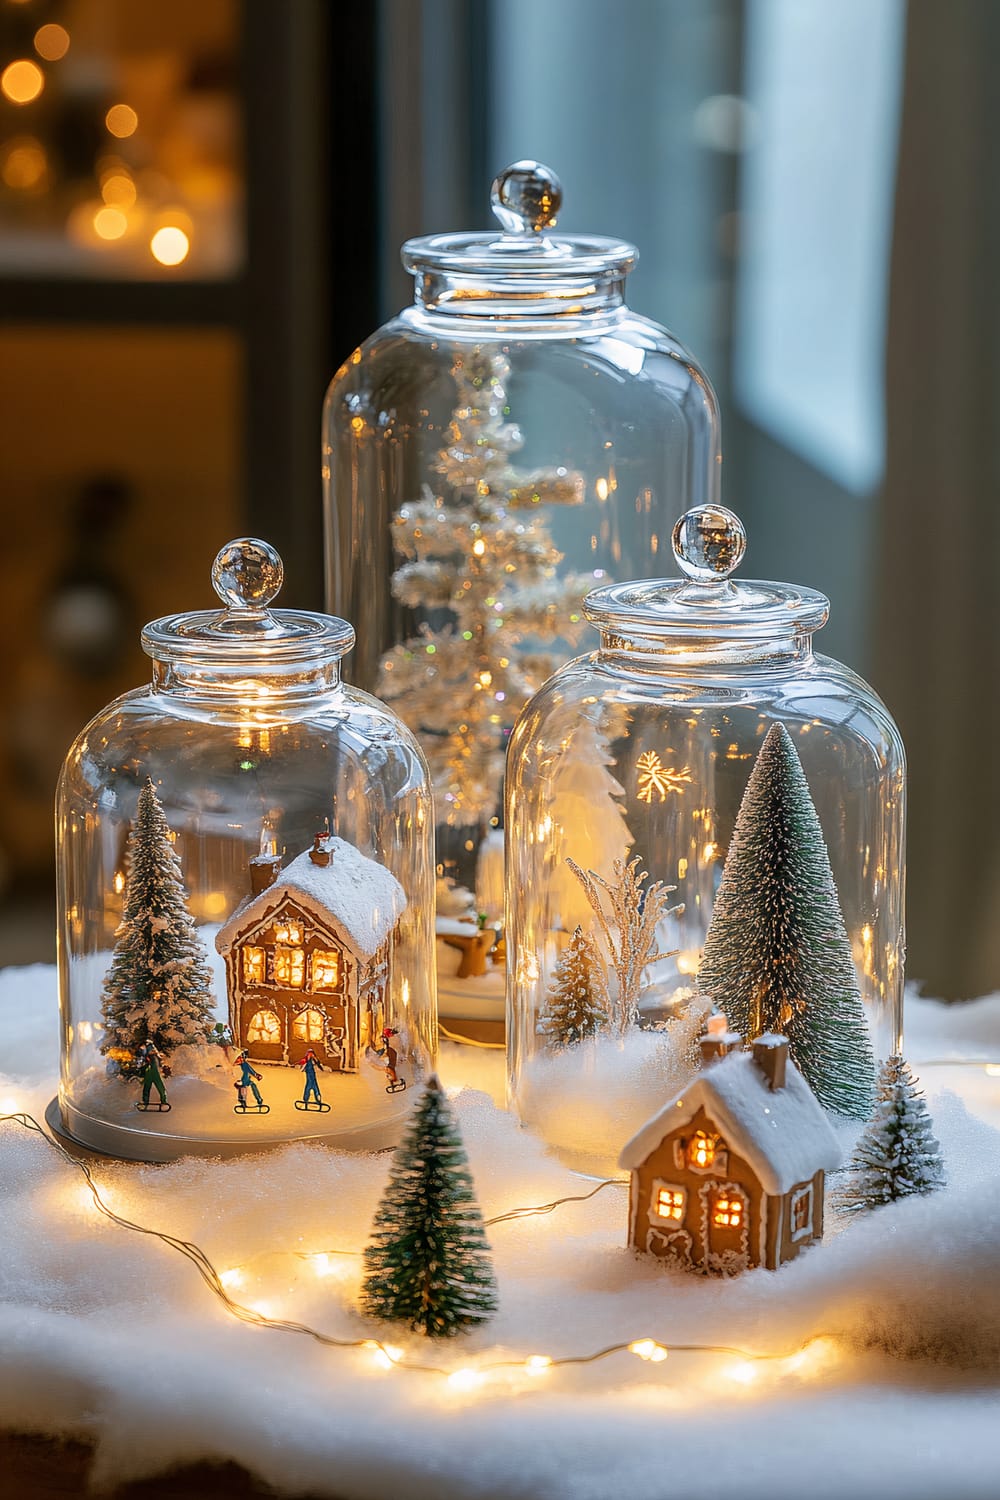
[362, 899]
[782, 1133]
[113, 1337]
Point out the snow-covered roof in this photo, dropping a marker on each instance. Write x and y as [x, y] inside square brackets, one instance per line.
[783, 1133]
[361, 901]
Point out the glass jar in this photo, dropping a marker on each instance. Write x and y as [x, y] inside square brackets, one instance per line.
[245, 893]
[514, 436]
[642, 751]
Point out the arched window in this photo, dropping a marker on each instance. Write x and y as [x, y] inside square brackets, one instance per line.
[265, 1027]
[308, 1026]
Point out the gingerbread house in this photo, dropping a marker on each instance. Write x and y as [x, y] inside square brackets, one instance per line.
[308, 955]
[730, 1172]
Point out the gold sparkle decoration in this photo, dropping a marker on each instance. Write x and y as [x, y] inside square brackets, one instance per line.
[657, 780]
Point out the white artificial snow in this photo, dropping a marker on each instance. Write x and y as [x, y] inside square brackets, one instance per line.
[363, 899]
[114, 1338]
[783, 1133]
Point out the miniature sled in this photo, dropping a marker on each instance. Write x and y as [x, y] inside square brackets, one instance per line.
[316, 1106]
[251, 1109]
[158, 1107]
[397, 1087]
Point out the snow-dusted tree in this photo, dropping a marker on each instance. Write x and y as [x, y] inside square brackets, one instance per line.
[627, 910]
[896, 1154]
[159, 985]
[428, 1263]
[480, 561]
[777, 955]
[587, 819]
[577, 1001]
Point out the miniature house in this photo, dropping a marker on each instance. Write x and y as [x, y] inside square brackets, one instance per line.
[730, 1172]
[308, 955]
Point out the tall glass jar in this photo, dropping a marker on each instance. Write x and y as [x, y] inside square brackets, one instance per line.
[643, 750]
[515, 436]
[245, 891]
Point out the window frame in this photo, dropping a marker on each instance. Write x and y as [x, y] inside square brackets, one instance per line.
[660, 1186]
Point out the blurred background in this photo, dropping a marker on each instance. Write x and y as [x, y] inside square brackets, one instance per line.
[201, 203]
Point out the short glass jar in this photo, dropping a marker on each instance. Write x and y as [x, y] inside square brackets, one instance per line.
[216, 996]
[644, 749]
[515, 436]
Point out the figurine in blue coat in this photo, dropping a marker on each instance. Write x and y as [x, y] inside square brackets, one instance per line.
[309, 1064]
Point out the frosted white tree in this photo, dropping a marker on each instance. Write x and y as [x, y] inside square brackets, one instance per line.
[896, 1154]
[577, 1003]
[777, 955]
[586, 816]
[480, 561]
[159, 985]
[627, 911]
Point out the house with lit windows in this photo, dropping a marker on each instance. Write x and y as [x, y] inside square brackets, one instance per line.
[308, 955]
[730, 1173]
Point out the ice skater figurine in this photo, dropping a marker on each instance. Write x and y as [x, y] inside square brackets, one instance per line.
[148, 1061]
[248, 1078]
[395, 1083]
[309, 1064]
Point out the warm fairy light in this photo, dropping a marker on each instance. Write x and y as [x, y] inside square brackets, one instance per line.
[118, 190]
[85, 1031]
[9, 1105]
[52, 42]
[170, 245]
[464, 1379]
[537, 1364]
[25, 165]
[232, 1278]
[322, 1265]
[742, 1371]
[485, 679]
[110, 223]
[649, 1350]
[119, 882]
[22, 81]
[121, 120]
[386, 1356]
[689, 961]
[478, 547]
[602, 488]
[709, 852]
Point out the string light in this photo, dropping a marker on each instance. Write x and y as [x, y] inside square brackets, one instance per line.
[52, 41]
[121, 121]
[22, 81]
[741, 1366]
[170, 245]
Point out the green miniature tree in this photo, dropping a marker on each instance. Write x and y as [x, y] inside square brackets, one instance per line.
[159, 986]
[577, 998]
[777, 955]
[896, 1154]
[428, 1262]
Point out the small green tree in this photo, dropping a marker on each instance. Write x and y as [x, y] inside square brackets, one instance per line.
[777, 955]
[576, 1004]
[896, 1154]
[428, 1262]
[159, 985]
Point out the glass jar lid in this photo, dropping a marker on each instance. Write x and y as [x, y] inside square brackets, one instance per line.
[708, 545]
[526, 199]
[247, 575]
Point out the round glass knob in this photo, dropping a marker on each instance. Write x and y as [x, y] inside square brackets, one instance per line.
[526, 198]
[247, 574]
[709, 543]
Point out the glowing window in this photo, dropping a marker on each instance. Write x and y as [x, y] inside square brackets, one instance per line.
[669, 1203]
[308, 1026]
[288, 932]
[290, 967]
[701, 1149]
[253, 966]
[728, 1212]
[265, 1027]
[325, 970]
[802, 1206]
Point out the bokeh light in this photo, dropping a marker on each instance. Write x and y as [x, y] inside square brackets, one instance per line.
[121, 120]
[170, 245]
[22, 81]
[118, 190]
[52, 42]
[23, 164]
[110, 223]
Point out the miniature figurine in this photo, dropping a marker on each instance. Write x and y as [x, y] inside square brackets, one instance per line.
[249, 1079]
[147, 1065]
[388, 1051]
[311, 1098]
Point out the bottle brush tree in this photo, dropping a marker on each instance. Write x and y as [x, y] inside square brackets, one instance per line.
[428, 1263]
[159, 987]
[576, 1004]
[777, 955]
[896, 1154]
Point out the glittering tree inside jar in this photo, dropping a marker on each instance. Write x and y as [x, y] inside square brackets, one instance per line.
[481, 562]
[777, 955]
[159, 987]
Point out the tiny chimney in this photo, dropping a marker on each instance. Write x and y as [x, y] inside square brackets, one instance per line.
[717, 1040]
[264, 866]
[770, 1053]
[321, 853]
